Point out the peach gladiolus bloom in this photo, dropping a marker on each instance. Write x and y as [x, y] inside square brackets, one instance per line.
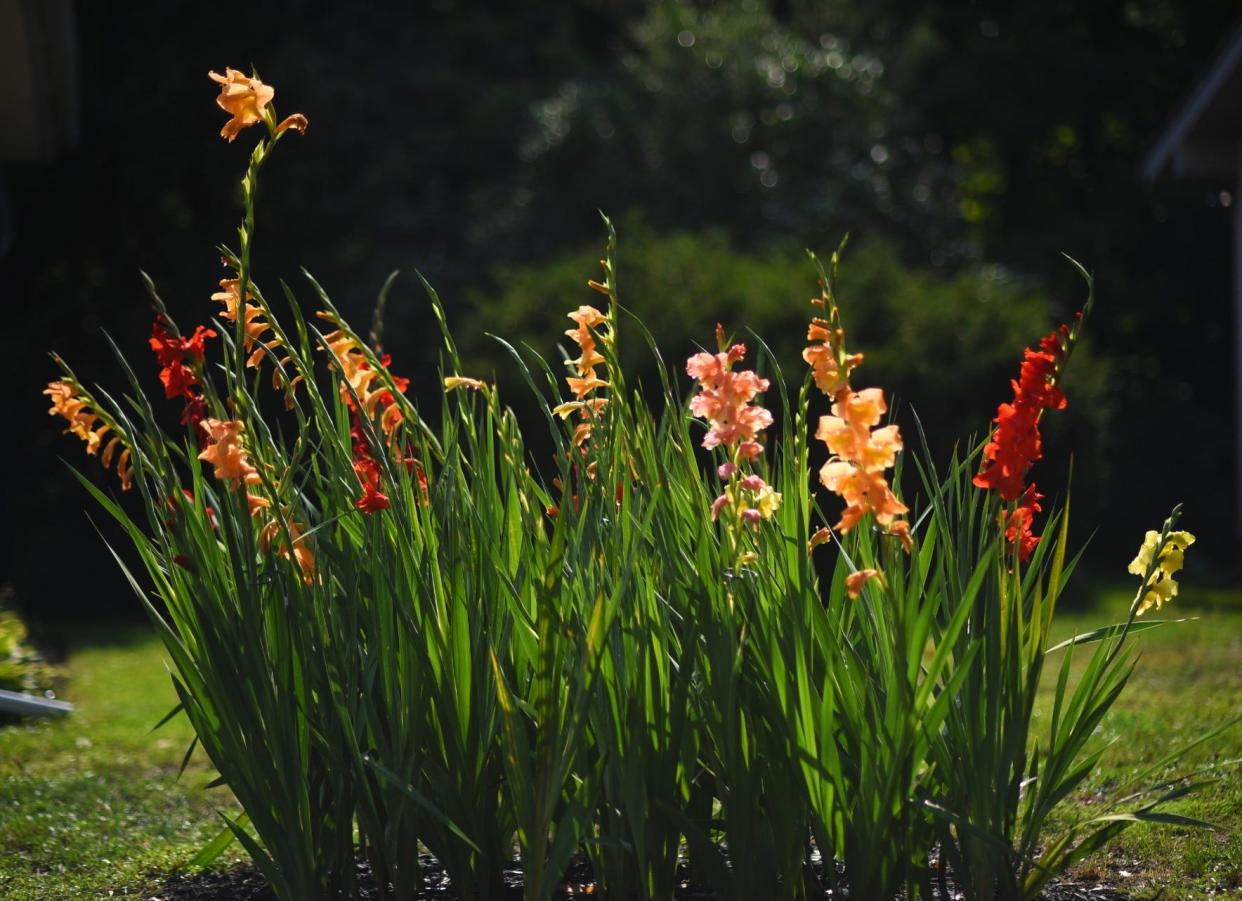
[242, 97]
[67, 403]
[587, 318]
[856, 472]
[830, 376]
[585, 380]
[864, 492]
[849, 434]
[226, 453]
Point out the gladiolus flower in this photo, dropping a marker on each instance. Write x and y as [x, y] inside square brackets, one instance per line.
[194, 412]
[900, 529]
[272, 535]
[855, 581]
[372, 500]
[171, 353]
[242, 97]
[297, 122]
[226, 453]
[860, 456]
[724, 399]
[752, 497]
[177, 380]
[453, 382]
[767, 501]
[368, 471]
[863, 492]
[849, 434]
[1018, 527]
[585, 380]
[254, 329]
[1160, 585]
[357, 376]
[1016, 442]
[860, 451]
[69, 402]
[748, 450]
[831, 376]
[818, 537]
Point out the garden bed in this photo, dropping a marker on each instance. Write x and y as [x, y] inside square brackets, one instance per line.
[244, 883]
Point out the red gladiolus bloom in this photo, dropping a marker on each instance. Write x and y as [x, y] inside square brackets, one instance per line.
[1016, 444]
[372, 499]
[1018, 528]
[178, 379]
[171, 351]
[195, 411]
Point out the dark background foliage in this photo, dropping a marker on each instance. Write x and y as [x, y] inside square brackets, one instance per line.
[964, 146]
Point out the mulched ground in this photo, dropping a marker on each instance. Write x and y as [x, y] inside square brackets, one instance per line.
[244, 883]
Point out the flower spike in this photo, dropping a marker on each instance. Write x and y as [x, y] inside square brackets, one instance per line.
[79, 409]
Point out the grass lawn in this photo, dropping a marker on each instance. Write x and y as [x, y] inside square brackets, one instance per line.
[90, 805]
[1187, 682]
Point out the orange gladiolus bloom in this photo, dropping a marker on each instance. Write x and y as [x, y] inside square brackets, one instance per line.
[302, 555]
[864, 492]
[69, 403]
[226, 453]
[358, 374]
[849, 434]
[297, 122]
[255, 326]
[854, 582]
[242, 97]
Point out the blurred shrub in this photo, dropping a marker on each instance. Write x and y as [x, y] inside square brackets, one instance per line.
[945, 347]
[21, 667]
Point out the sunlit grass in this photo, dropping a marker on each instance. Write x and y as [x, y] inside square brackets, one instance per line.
[91, 803]
[1188, 682]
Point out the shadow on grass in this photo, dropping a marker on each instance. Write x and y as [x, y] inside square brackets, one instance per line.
[242, 883]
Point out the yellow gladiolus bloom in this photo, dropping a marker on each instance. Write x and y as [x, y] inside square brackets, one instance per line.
[1160, 587]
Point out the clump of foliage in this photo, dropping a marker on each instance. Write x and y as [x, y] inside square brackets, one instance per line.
[389, 625]
[22, 667]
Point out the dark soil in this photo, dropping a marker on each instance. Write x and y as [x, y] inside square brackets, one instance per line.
[243, 883]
